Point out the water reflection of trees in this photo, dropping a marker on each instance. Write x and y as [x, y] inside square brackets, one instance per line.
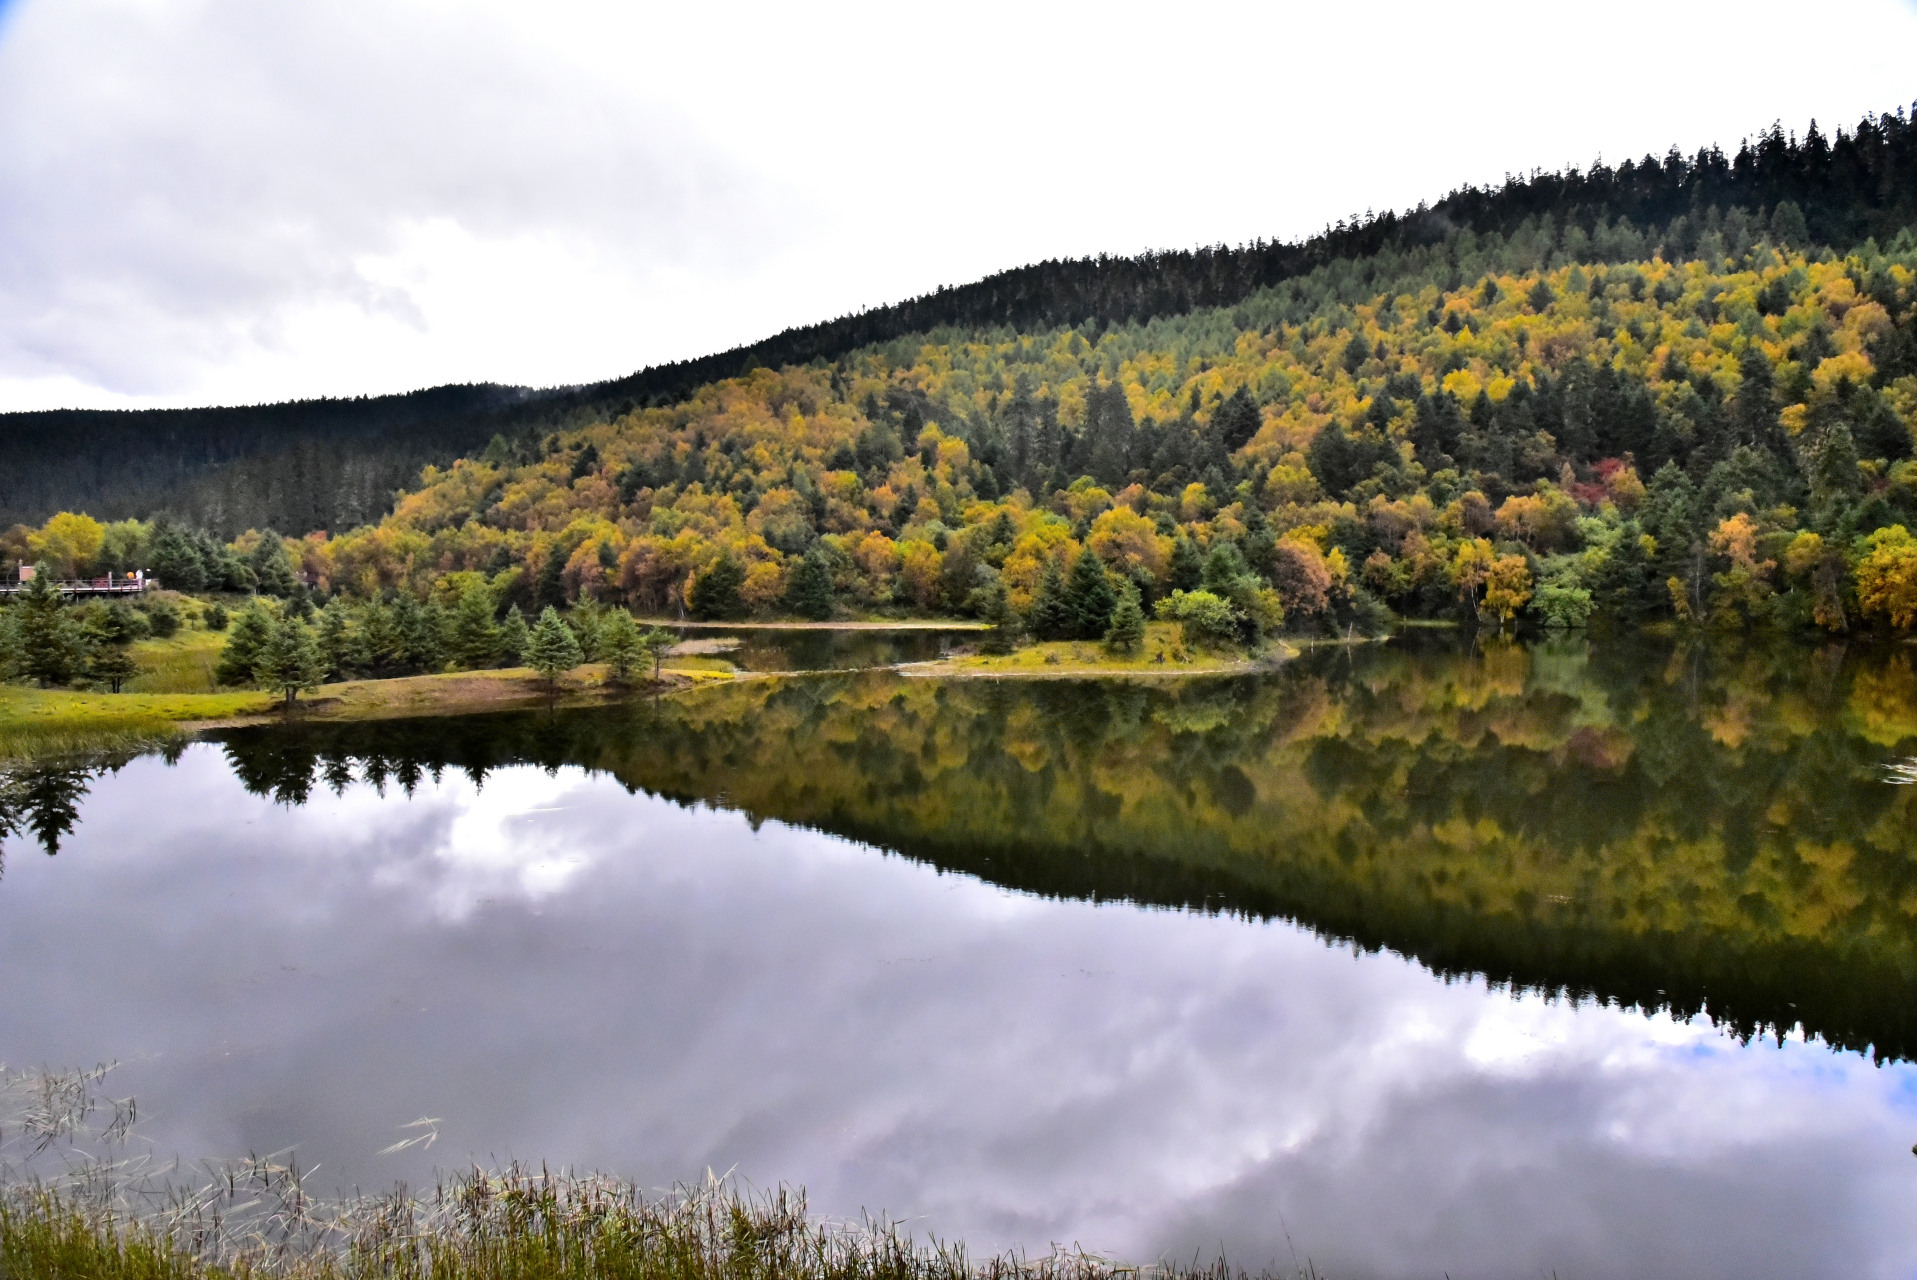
[1701, 828]
[43, 799]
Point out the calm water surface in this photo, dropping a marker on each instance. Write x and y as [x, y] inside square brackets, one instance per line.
[1414, 960]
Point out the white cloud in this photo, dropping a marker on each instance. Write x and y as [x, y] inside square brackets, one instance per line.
[209, 200]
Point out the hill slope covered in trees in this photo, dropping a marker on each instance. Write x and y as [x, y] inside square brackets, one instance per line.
[335, 463]
[1720, 430]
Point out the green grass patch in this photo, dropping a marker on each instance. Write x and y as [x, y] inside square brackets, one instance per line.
[181, 663]
[48, 722]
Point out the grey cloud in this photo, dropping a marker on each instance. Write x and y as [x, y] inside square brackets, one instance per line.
[174, 178]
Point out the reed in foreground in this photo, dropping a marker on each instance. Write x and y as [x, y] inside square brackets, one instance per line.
[517, 1223]
[75, 1206]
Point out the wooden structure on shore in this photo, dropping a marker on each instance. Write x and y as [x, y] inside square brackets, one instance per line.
[114, 584]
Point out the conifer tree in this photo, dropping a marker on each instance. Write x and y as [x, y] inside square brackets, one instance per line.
[49, 645]
[113, 664]
[513, 637]
[335, 639]
[1051, 616]
[474, 634]
[620, 646]
[246, 642]
[1090, 597]
[290, 663]
[1128, 622]
[552, 649]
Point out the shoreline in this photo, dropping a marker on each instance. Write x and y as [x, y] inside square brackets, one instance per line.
[53, 723]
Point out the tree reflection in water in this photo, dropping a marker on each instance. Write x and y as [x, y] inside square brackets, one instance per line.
[1700, 827]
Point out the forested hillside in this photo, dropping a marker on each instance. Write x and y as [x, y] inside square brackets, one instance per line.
[333, 464]
[1719, 431]
[316, 464]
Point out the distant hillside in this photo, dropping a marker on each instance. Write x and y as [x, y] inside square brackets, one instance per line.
[336, 463]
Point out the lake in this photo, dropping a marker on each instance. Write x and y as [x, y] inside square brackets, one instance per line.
[1594, 959]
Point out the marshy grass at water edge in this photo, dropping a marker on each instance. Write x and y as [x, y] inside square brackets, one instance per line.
[75, 1205]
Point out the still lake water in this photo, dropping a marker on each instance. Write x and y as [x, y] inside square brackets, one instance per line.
[1594, 960]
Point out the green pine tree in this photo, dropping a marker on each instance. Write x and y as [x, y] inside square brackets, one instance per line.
[336, 642]
[552, 649]
[1128, 622]
[513, 637]
[246, 641]
[49, 644]
[474, 634]
[112, 664]
[1090, 596]
[1051, 616]
[620, 646]
[290, 662]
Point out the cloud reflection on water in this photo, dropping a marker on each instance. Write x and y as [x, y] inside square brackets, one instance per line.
[564, 971]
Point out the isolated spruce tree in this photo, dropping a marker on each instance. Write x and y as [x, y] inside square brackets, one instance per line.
[290, 663]
[808, 591]
[1128, 622]
[1051, 616]
[246, 642]
[513, 637]
[620, 646]
[552, 649]
[1090, 596]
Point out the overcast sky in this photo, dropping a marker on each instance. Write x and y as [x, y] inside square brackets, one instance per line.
[223, 201]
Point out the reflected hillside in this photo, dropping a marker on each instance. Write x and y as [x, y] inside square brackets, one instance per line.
[1703, 829]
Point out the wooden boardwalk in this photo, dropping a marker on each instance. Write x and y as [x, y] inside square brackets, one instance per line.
[72, 588]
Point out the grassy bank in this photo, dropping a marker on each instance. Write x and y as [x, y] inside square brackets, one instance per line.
[51, 722]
